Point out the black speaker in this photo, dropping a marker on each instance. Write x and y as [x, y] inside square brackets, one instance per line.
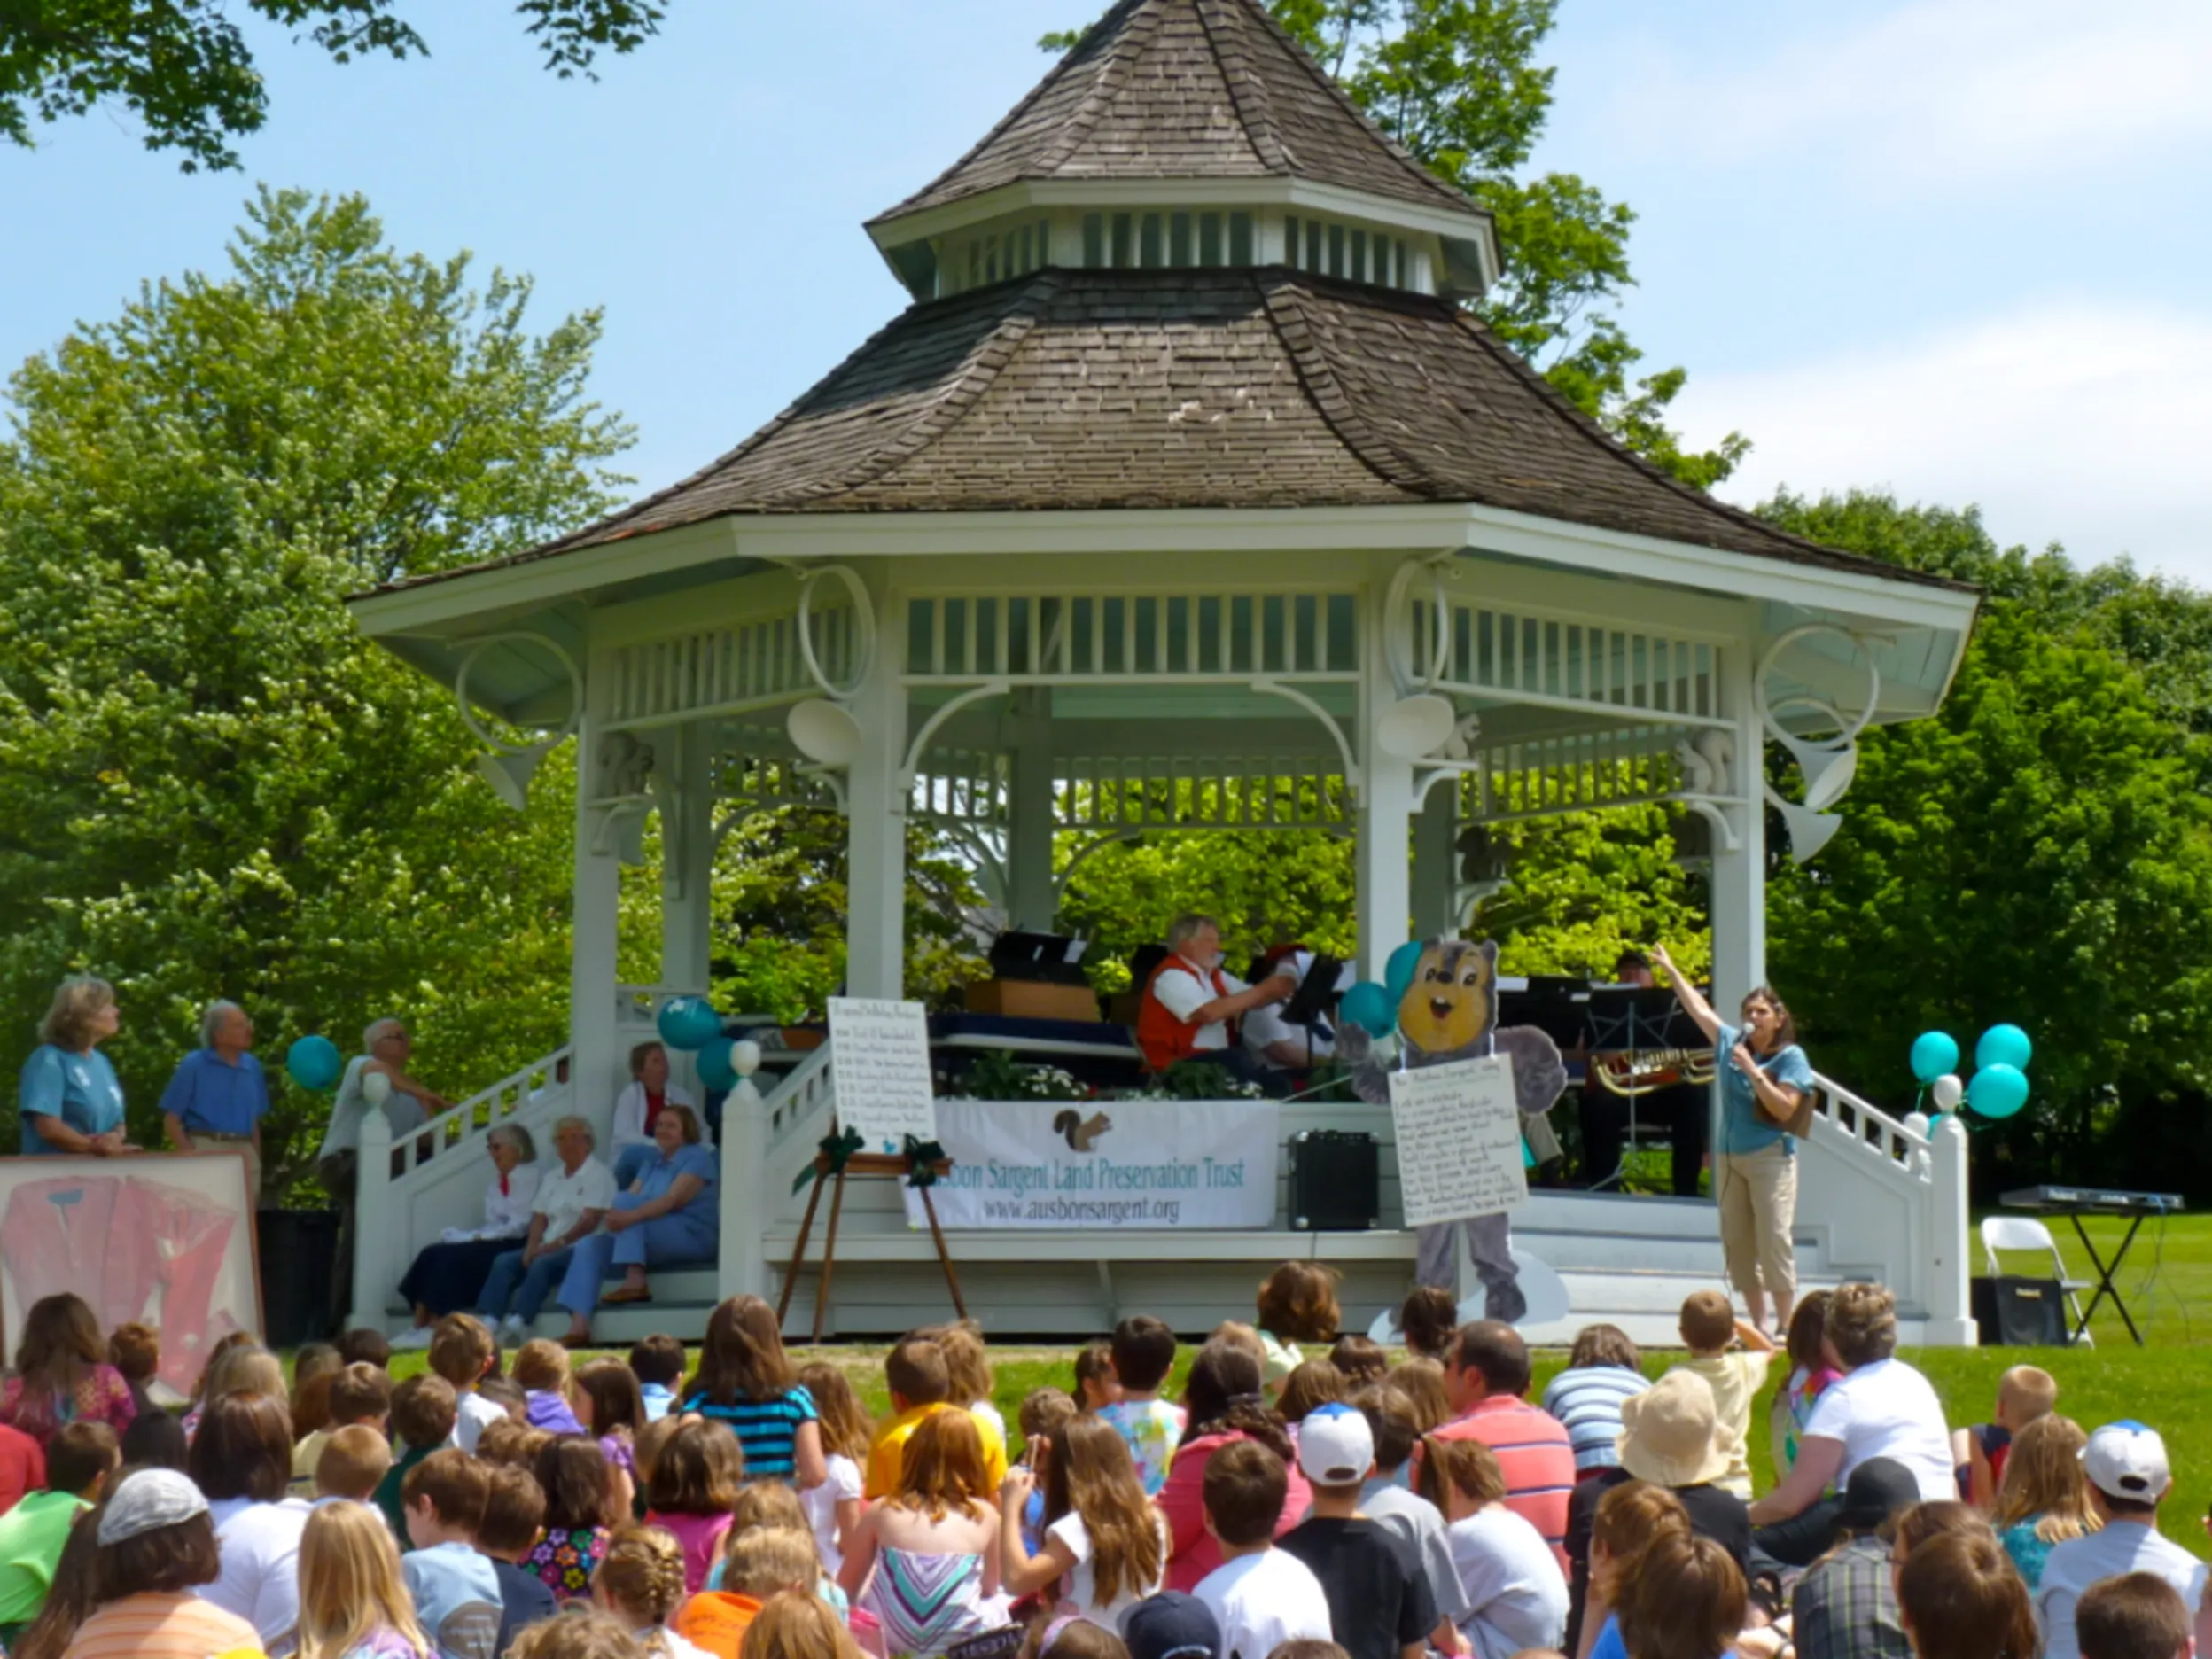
[1336, 1181]
[2019, 1312]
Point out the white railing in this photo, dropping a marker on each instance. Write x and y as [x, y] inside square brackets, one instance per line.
[1888, 1198]
[411, 1188]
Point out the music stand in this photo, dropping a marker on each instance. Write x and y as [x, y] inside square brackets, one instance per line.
[1629, 1019]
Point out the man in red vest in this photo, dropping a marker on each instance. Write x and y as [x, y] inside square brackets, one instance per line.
[1189, 1003]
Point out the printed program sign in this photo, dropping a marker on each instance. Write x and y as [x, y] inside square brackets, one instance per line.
[1106, 1165]
[879, 1056]
[1459, 1141]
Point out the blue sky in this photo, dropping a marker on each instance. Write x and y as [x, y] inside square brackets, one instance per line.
[1955, 247]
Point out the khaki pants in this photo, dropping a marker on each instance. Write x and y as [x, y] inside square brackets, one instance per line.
[204, 1142]
[1757, 1195]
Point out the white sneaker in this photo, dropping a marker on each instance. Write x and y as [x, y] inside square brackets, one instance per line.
[407, 1342]
[512, 1332]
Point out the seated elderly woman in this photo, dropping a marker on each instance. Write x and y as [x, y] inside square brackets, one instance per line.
[566, 1210]
[450, 1275]
[671, 1214]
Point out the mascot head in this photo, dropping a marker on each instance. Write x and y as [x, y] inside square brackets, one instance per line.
[1452, 1001]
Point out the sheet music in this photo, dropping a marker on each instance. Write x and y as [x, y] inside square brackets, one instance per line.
[879, 1056]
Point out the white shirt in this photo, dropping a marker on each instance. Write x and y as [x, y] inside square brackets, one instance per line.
[820, 1503]
[1264, 1600]
[1887, 1409]
[2121, 1547]
[258, 1544]
[563, 1198]
[403, 1111]
[471, 1414]
[1182, 991]
[1265, 1024]
[629, 1113]
[506, 1214]
[1083, 1576]
[1513, 1582]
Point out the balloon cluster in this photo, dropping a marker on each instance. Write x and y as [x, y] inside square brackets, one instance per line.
[1999, 1088]
[691, 1024]
[1373, 1008]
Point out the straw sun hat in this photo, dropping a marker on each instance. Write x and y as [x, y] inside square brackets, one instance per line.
[1671, 1435]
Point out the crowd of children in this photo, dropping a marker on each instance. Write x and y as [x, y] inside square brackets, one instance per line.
[1305, 1497]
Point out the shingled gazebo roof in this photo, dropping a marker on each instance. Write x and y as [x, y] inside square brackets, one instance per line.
[1183, 90]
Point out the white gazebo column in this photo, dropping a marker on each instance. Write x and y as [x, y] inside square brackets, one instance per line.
[1738, 878]
[1031, 902]
[598, 1069]
[876, 817]
[1436, 862]
[1386, 796]
[684, 783]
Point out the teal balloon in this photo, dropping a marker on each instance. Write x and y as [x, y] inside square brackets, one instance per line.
[1368, 1006]
[314, 1063]
[1997, 1091]
[1398, 973]
[715, 1070]
[2004, 1045]
[1934, 1055]
[687, 1022]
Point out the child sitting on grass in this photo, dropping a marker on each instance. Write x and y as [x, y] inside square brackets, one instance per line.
[2024, 1394]
[423, 1415]
[352, 1465]
[1603, 1369]
[1712, 1333]
[1260, 1596]
[1142, 1354]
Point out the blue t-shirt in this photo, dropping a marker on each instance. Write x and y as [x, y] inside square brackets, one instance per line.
[1609, 1644]
[212, 1097]
[661, 1174]
[767, 1430]
[1744, 1127]
[458, 1601]
[80, 1089]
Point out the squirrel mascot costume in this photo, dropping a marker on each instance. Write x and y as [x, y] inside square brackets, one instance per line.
[1450, 1012]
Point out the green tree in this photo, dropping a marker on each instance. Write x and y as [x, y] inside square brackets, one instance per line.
[185, 69]
[2039, 851]
[210, 784]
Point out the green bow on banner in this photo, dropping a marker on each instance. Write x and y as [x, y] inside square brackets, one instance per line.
[922, 1157]
[838, 1149]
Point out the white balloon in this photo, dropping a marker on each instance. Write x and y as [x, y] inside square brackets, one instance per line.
[375, 1088]
[1948, 1092]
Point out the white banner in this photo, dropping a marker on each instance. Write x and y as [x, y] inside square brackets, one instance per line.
[1116, 1163]
[1458, 1140]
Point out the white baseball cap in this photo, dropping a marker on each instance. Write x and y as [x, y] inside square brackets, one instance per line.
[1336, 1446]
[2127, 1461]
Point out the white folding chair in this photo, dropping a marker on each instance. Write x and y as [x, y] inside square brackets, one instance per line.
[2026, 1236]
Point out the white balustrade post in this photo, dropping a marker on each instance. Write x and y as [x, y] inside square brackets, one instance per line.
[1950, 1314]
[376, 1221]
[743, 1264]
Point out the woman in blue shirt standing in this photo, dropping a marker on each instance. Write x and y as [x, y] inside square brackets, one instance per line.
[70, 1100]
[1764, 1077]
[671, 1214]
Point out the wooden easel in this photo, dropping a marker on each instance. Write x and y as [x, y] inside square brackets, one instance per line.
[870, 1164]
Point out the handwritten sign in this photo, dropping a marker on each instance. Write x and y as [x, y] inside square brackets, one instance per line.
[879, 1054]
[1459, 1141]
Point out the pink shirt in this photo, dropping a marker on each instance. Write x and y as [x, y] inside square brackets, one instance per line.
[1534, 1454]
[1192, 1552]
[701, 1536]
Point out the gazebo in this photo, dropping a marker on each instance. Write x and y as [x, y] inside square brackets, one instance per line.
[1187, 465]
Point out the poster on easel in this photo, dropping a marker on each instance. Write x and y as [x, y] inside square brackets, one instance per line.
[1459, 1141]
[879, 1058]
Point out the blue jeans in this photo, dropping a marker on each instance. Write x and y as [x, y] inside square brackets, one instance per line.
[663, 1242]
[501, 1297]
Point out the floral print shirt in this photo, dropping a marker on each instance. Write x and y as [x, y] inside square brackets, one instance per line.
[565, 1560]
[100, 1396]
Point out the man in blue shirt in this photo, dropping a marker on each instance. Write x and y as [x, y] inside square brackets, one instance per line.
[219, 1094]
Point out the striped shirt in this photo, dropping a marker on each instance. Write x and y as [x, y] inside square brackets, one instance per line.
[153, 1626]
[768, 1428]
[1587, 1400]
[1534, 1455]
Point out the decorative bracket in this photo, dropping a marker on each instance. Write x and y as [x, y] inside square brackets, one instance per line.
[507, 767]
[1827, 765]
[1353, 785]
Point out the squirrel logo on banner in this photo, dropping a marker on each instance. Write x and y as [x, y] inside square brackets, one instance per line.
[1447, 1010]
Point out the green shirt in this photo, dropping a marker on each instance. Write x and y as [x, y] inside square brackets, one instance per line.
[31, 1536]
[388, 1493]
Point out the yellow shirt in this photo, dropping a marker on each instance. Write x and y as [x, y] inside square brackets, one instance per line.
[1736, 1377]
[889, 1451]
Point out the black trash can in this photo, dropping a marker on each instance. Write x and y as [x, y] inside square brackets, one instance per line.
[299, 1253]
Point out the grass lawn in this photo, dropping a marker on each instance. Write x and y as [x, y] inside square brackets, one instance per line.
[2168, 1283]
